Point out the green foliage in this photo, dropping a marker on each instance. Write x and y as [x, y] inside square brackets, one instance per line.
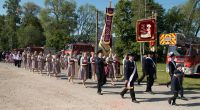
[127, 12]
[123, 27]
[59, 22]
[86, 23]
[30, 32]
[12, 18]
[30, 36]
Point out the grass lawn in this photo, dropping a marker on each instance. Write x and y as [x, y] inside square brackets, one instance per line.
[192, 82]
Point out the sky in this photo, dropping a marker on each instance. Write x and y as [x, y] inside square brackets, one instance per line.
[100, 4]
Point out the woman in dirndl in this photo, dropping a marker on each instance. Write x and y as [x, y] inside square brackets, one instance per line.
[71, 68]
[40, 60]
[56, 65]
[66, 61]
[29, 61]
[24, 59]
[34, 61]
[49, 64]
[93, 66]
[62, 58]
[109, 61]
[83, 68]
[115, 68]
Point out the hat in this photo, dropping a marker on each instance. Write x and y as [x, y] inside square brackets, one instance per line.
[131, 54]
[178, 65]
[171, 54]
[150, 52]
[99, 51]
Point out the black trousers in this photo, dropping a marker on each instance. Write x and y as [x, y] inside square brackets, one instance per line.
[150, 81]
[132, 92]
[101, 81]
[15, 62]
[19, 63]
[142, 77]
[173, 98]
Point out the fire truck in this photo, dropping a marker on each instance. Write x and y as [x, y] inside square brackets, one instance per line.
[186, 50]
[78, 48]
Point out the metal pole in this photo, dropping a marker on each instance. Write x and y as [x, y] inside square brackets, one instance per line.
[97, 19]
[145, 10]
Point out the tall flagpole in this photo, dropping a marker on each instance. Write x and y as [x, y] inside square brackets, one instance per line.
[97, 33]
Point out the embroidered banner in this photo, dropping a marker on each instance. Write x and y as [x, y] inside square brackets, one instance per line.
[146, 30]
[106, 38]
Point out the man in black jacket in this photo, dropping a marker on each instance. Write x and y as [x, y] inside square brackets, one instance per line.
[101, 77]
[176, 84]
[150, 70]
[130, 76]
[143, 69]
[172, 67]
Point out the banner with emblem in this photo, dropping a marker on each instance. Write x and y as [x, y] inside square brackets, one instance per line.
[146, 30]
[106, 38]
[168, 39]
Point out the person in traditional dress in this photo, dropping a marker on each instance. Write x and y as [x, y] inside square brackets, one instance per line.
[124, 62]
[34, 61]
[66, 61]
[109, 61]
[71, 68]
[172, 67]
[143, 69]
[15, 58]
[101, 77]
[83, 68]
[56, 65]
[19, 59]
[115, 68]
[130, 76]
[93, 66]
[29, 61]
[49, 64]
[176, 84]
[24, 59]
[40, 60]
[150, 70]
[62, 58]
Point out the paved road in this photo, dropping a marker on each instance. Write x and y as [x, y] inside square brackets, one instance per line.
[24, 90]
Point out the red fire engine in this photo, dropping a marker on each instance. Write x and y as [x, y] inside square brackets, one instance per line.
[187, 51]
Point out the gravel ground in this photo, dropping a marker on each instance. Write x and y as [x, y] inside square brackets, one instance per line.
[24, 90]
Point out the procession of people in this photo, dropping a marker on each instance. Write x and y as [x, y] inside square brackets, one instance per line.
[99, 68]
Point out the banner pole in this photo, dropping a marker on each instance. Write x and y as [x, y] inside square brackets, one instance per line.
[97, 19]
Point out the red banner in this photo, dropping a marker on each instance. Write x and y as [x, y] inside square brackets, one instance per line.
[146, 30]
[108, 35]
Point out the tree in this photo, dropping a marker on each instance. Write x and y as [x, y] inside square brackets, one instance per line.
[59, 21]
[123, 27]
[86, 23]
[127, 12]
[30, 32]
[174, 20]
[3, 39]
[12, 19]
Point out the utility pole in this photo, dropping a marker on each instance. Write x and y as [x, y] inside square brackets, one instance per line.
[97, 33]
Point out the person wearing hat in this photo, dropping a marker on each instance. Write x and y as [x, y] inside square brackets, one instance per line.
[150, 70]
[130, 76]
[101, 77]
[172, 67]
[176, 84]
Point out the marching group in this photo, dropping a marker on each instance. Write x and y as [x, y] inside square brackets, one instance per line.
[99, 68]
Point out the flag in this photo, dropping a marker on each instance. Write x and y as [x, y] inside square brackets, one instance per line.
[106, 37]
